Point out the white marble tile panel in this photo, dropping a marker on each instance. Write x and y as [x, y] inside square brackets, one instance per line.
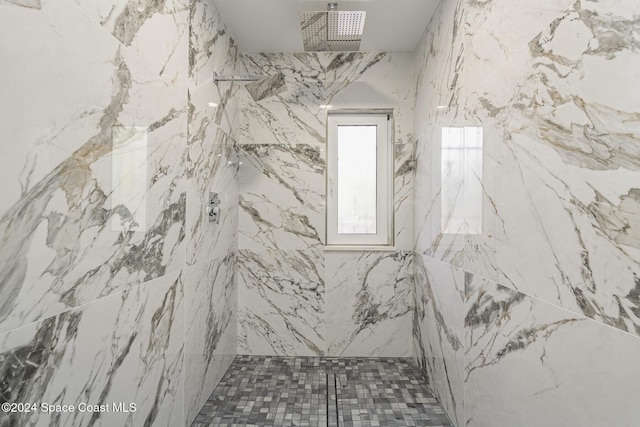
[281, 303]
[211, 308]
[369, 304]
[108, 213]
[438, 331]
[212, 164]
[497, 30]
[567, 173]
[127, 348]
[157, 32]
[439, 73]
[524, 356]
[282, 203]
[211, 48]
[44, 116]
[291, 117]
[404, 199]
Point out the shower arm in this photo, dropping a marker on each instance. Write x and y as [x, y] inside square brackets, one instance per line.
[248, 78]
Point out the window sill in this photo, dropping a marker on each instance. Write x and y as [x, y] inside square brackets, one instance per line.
[342, 248]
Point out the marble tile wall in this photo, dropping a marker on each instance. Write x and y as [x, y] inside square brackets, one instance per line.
[369, 303]
[281, 302]
[125, 348]
[291, 288]
[109, 147]
[438, 328]
[548, 314]
[211, 159]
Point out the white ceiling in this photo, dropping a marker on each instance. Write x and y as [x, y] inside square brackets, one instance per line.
[274, 25]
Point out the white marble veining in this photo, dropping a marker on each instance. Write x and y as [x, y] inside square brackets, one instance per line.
[439, 68]
[563, 128]
[211, 335]
[80, 227]
[127, 347]
[212, 166]
[529, 363]
[281, 302]
[438, 331]
[552, 87]
[109, 149]
[404, 166]
[369, 304]
[490, 39]
[211, 48]
[157, 32]
[439, 77]
[282, 197]
[282, 201]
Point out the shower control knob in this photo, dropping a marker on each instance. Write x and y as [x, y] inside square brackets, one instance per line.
[213, 208]
[214, 214]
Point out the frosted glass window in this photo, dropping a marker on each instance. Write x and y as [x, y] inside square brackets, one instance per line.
[360, 180]
[461, 180]
[357, 176]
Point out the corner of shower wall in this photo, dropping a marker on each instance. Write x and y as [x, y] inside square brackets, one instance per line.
[212, 165]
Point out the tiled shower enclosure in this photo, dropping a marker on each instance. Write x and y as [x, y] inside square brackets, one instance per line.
[513, 285]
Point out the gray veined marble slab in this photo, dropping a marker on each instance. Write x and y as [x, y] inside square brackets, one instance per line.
[438, 103]
[157, 32]
[290, 118]
[282, 204]
[127, 347]
[211, 48]
[438, 333]
[369, 304]
[490, 39]
[439, 79]
[404, 197]
[281, 302]
[108, 212]
[213, 106]
[566, 146]
[524, 356]
[553, 95]
[211, 301]
[212, 163]
[312, 80]
[44, 114]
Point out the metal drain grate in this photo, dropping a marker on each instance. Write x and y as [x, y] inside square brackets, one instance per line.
[333, 417]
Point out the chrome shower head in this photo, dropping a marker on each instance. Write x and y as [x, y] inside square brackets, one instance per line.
[266, 87]
[332, 30]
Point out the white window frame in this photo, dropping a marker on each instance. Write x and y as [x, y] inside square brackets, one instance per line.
[384, 152]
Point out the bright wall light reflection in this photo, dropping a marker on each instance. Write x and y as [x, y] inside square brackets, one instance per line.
[461, 180]
[129, 178]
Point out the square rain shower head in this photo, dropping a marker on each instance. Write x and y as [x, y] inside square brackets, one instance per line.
[332, 30]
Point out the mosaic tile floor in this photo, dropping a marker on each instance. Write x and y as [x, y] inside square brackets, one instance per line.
[312, 391]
